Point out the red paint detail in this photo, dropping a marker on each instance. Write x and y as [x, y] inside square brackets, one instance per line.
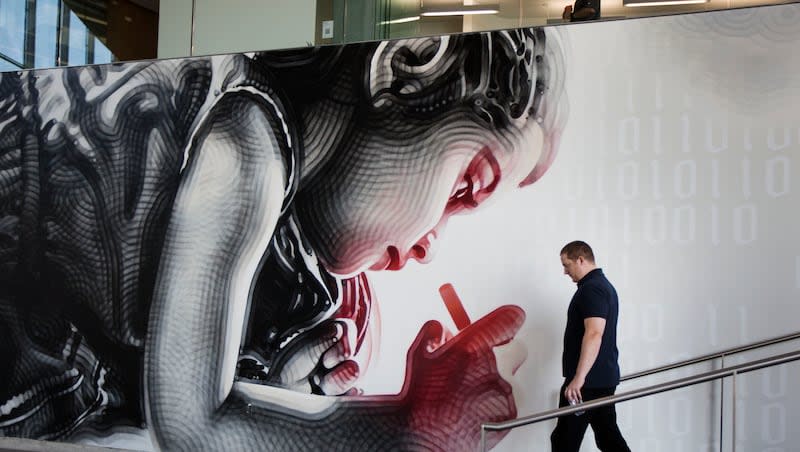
[454, 306]
[475, 185]
[479, 186]
[395, 261]
[451, 389]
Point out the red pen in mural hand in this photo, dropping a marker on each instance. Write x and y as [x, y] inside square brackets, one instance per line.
[454, 306]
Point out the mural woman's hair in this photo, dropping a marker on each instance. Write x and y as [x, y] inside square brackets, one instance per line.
[500, 77]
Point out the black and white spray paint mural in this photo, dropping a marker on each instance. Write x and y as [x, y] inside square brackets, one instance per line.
[184, 242]
[193, 252]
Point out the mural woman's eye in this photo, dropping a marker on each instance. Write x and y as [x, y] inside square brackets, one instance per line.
[463, 196]
[479, 181]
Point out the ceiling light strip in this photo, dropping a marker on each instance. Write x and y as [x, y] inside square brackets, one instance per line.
[664, 2]
[401, 20]
[457, 12]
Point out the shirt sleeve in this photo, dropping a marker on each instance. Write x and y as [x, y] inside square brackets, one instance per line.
[594, 303]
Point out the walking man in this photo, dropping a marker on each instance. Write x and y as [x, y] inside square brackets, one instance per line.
[589, 360]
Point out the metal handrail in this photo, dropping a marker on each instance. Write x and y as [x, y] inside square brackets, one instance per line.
[635, 394]
[711, 356]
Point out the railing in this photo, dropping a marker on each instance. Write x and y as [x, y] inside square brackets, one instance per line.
[711, 356]
[643, 392]
[663, 387]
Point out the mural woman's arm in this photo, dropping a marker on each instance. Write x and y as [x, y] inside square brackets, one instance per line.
[230, 197]
[225, 212]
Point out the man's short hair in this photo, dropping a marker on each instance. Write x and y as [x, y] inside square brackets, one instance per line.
[576, 249]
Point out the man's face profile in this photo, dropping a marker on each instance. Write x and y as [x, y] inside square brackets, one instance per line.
[573, 268]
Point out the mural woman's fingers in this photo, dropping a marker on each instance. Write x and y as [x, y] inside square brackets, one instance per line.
[496, 328]
[308, 350]
[430, 336]
[337, 354]
[340, 379]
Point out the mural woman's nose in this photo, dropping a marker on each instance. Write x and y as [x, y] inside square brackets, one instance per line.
[425, 247]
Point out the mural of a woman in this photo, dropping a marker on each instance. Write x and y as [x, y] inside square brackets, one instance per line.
[186, 240]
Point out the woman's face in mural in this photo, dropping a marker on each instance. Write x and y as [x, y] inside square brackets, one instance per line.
[384, 201]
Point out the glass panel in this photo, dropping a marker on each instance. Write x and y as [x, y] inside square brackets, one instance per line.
[404, 18]
[409, 18]
[46, 28]
[12, 29]
[6, 66]
[77, 40]
[101, 53]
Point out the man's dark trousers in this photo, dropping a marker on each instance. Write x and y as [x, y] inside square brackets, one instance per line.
[569, 431]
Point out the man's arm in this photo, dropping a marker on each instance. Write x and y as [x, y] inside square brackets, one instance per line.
[590, 347]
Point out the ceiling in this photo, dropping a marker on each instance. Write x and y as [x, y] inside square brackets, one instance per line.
[533, 12]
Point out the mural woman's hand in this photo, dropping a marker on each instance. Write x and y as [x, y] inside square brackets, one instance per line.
[451, 389]
[320, 357]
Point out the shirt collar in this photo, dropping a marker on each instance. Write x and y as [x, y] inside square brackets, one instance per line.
[591, 275]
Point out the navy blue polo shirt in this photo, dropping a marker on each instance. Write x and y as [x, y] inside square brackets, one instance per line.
[595, 297]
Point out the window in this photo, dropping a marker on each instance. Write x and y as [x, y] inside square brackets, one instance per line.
[55, 36]
[78, 35]
[101, 53]
[46, 37]
[12, 32]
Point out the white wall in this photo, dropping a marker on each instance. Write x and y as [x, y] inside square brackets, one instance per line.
[234, 26]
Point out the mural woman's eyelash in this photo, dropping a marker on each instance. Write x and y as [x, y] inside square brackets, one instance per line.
[462, 185]
[467, 197]
[463, 195]
[478, 182]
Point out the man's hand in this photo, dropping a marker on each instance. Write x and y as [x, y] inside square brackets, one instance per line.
[573, 390]
[566, 15]
[452, 386]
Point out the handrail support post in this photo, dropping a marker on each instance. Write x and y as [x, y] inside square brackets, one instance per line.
[721, 403]
[733, 412]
